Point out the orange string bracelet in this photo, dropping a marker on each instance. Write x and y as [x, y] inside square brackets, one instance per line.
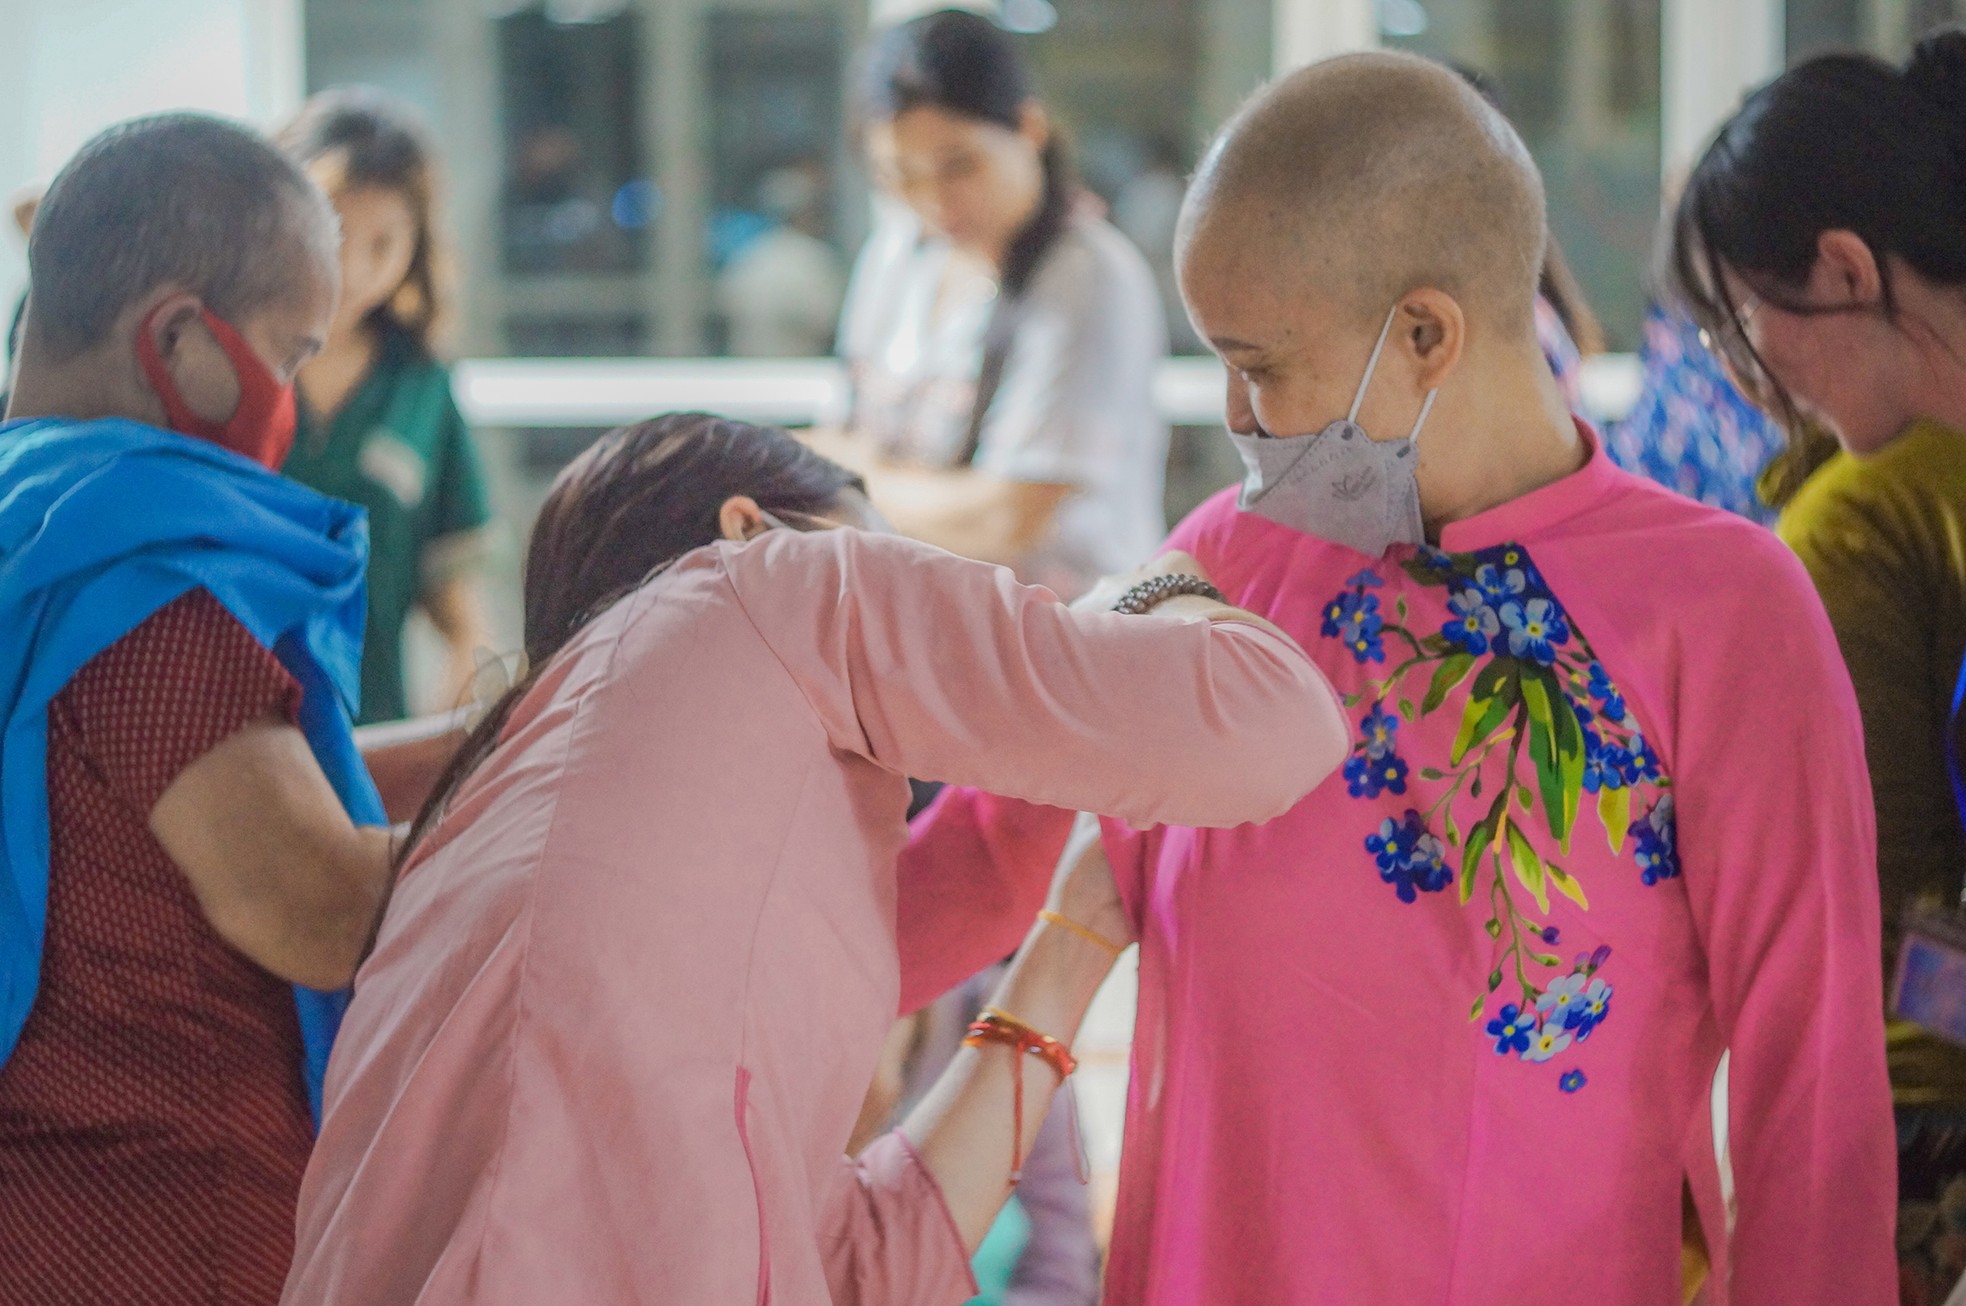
[998, 1026]
[1051, 917]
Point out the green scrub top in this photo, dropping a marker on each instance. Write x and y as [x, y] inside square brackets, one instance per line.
[399, 448]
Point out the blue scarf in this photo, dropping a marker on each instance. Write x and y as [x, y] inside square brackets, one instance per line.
[102, 524]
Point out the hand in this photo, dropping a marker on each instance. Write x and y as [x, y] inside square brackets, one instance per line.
[1112, 589]
[1083, 891]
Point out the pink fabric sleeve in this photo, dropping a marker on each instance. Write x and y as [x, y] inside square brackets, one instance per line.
[887, 1235]
[947, 669]
[977, 865]
[970, 882]
[1776, 840]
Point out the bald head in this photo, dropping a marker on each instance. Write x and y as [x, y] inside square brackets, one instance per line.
[181, 200]
[1359, 179]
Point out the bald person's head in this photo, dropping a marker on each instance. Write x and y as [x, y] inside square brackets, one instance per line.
[1361, 178]
[181, 200]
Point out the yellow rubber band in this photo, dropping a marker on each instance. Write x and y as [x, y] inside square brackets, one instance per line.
[1050, 917]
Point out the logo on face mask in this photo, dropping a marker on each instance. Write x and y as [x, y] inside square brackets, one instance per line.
[1340, 484]
[261, 426]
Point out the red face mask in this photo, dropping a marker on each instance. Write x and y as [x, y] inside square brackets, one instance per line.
[261, 427]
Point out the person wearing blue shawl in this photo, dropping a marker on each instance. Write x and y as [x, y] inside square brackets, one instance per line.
[190, 853]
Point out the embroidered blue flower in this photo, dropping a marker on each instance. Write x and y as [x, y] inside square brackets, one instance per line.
[1515, 561]
[1367, 579]
[1410, 859]
[1473, 624]
[1563, 1002]
[1512, 1030]
[1593, 1005]
[1344, 609]
[1656, 851]
[1438, 559]
[1639, 763]
[1368, 777]
[1498, 586]
[1535, 629]
[1606, 693]
[1379, 730]
[1546, 1042]
[1572, 1081]
[1606, 766]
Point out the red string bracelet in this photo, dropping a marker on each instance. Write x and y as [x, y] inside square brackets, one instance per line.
[998, 1026]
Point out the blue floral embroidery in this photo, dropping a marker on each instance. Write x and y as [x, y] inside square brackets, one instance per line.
[1549, 1039]
[1512, 1029]
[1657, 853]
[1594, 1006]
[1410, 859]
[1475, 623]
[1572, 1081]
[1535, 629]
[1601, 689]
[1541, 725]
[1368, 777]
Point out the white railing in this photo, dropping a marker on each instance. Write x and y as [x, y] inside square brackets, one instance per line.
[516, 392]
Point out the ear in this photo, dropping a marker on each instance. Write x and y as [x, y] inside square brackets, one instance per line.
[1433, 332]
[741, 519]
[1034, 124]
[167, 319]
[1846, 271]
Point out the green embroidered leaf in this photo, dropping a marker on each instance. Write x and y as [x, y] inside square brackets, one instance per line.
[1494, 980]
[1436, 645]
[1431, 773]
[1566, 884]
[1545, 959]
[1495, 694]
[1614, 808]
[1474, 1012]
[1524, 799]
[1493, 926]
[1406, 709]
[1399, 610]
[1570, 767]
[1453, 830]
[1353, 700]
[1528, 866]
[1538, 688]
[1419, 570]
[1474, 790]
[1478, 840]
[1447, 678]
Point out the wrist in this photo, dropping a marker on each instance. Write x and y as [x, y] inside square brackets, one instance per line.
[1053, 980]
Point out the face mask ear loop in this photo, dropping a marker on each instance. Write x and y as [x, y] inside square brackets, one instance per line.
[1421, 421]
[1371, 365]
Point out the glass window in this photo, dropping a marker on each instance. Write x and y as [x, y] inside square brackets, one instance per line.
[1580, 79]
[1885, 27]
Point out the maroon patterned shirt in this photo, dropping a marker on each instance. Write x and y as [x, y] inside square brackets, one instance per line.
[153, 1120]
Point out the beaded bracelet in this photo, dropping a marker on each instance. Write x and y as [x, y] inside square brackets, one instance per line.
[998, 1026]
[1150, 594]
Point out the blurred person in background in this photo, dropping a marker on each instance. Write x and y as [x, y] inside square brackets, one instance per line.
[636, 968]
[189, 844]
[781, 292]
[1820, 242]
[378, 424]
[1000, 340]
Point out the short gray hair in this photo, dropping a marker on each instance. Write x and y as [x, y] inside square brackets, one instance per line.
[176, 199]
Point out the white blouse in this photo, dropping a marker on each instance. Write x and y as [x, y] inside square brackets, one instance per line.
[1075, 403]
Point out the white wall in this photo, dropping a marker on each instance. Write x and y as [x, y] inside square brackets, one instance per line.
[69, 68]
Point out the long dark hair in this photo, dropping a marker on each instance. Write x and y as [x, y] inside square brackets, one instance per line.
[1843, 142]
[362, 138]
[963, 63]
[633, 503]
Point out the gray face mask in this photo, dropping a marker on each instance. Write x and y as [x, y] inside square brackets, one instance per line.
[1340, 484]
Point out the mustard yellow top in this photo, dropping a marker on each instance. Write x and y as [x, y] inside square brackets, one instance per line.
[1884, 538]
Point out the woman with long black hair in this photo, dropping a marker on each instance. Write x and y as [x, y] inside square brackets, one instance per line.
[640, 956]
[1821, 242]
[1001, 339]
